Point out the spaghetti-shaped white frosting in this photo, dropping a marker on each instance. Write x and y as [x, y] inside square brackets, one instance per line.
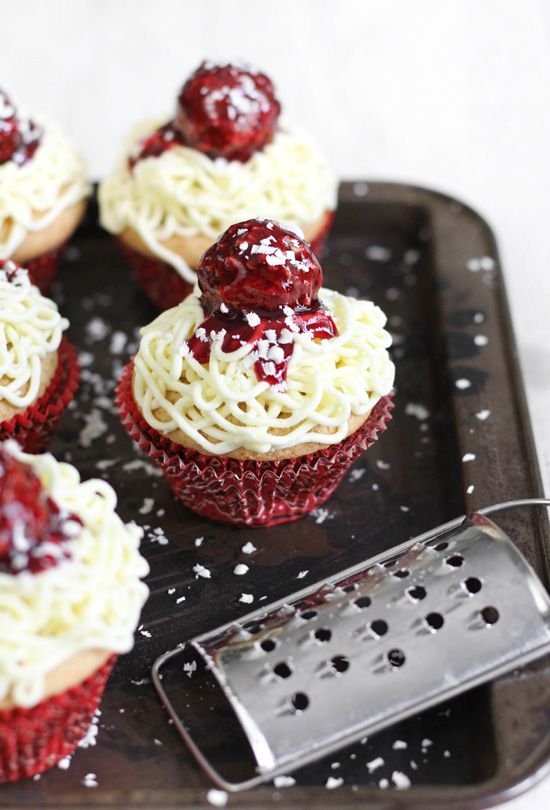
[185, 193]
[33, 195]
[30, 328]
[90, 601]
[222, 406]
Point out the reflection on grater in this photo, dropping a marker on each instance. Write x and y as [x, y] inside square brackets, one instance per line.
[375, 644]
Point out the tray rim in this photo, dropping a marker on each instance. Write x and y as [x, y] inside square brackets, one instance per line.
[499, 787]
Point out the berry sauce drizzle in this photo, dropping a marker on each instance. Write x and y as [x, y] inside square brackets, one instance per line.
[225, 111]
[19, 136]
[260, 284]
[35, 534]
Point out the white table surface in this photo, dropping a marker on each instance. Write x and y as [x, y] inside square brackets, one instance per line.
[454, 95]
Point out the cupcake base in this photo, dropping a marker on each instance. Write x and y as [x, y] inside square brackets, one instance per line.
[33, 740]
[43, 269]
[247, 492]
[165, 288]
[34, 426]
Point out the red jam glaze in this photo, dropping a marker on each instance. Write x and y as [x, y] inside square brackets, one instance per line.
[19, 136]
[34, 533]
[260, 284]
[227, 111]
[160, 141]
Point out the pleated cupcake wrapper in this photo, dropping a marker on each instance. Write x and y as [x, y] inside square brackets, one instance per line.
[248, 492]
[33, 427]
[43, 269]
[33, 740]
[164, 286]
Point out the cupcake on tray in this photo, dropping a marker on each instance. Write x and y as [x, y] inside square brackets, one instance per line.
[256, 393]
[43, 190]
[59, 631]
[223, 157]
[38, 366]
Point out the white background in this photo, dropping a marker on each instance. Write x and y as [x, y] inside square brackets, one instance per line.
[453, 95]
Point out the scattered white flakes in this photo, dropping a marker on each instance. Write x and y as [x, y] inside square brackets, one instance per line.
[157, 741]
[89, 781]
[378, 253]
[241, 569]
[171, 591]
[360, 189]
[189, 667]
[417, 410]
[37, 777]
[383, 784]
[97, 329]
[393, 294]
[302, 574]
[105, 463]
[375, 487]
[446, 754]
[405, 508]
[321, 515]
[147, 506]
[199, 541]
[426, 742]
[468, 457]
[399, 745]
[482, 263]
[382, 465]
[334, 782]
[483, 415]
[400, 780]
[246, 598]
[180, 599]
[413, 765]
[375, 763]
[94, 427]
[145, 633]
[284, 781]
[481, 340]
[479, 317]
[217, 798]
[85, 359]
[470, 489]
[248, 548]
[158, 536]
[355, 475]
[160, 512]
[411, 256]
[462, 383]
[334, 765]
[118, 342]
[64, 763]
[201, 571]
[253, 318]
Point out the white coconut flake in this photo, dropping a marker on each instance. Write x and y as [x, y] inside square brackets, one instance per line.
[382, 465]
[201, 571]
[96, 330]
[399, 745]
[334, 782]
[118, 342]
[378, 253]
[199, 541]
[468, 457]
[417, 410]
[248, 548]
[90, 781]
[241, 569]
[217, 798]
[375, 763]
[284, 781]
[302, 574]
[355, 475]
[189, 667]
[400, 780]
[481, 340]
[483, 415]
[462, 383]
[147, 506]
[470, 489]
[246, 598]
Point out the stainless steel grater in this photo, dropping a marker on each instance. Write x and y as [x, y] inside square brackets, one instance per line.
[376, 643]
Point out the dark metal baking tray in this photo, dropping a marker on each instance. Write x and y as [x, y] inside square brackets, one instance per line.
[432, 264]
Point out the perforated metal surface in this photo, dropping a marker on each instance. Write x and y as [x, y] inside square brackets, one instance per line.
[387, 639]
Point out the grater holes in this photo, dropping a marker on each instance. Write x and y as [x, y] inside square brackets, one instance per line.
[455, 561]
[490, 615]
[390, 563]
[434, 622]
[282, 670]
[441, 546]
[416, 593]
[308, 615]
[299, 702]
[323, 635]
[395, 658]
[268, 645]
[471, 585]
[349, 588]
[255, 629]
[339, 664]
[401, 573]
[362, 602]
[378, 628]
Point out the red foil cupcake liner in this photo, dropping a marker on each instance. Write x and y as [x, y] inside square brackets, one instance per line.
[247, 492]
[43, 269]
[165, 288]
[159, 281]
[33, 740]
[34, 426]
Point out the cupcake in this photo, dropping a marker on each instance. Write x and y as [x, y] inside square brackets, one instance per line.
[256, 393]
[225, 156]
[38, 366]
[70, 600]
[43, 188]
